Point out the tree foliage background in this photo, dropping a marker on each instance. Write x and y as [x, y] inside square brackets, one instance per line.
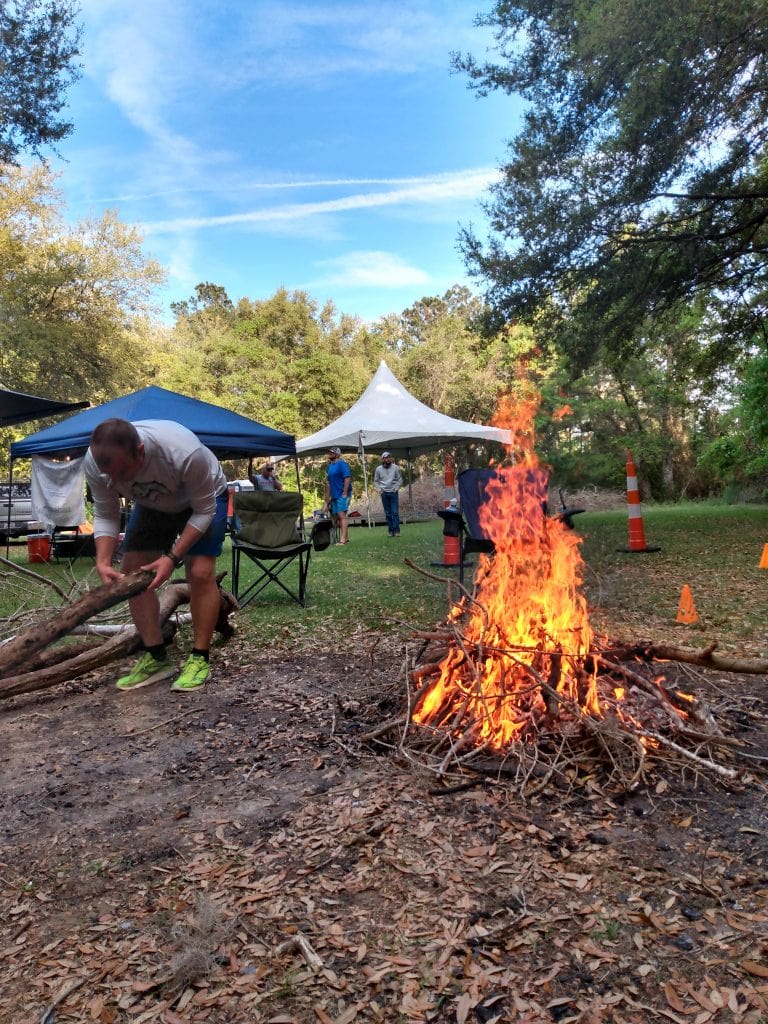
[639, 180]
[39, 43]
[624, 270]
[628, 227]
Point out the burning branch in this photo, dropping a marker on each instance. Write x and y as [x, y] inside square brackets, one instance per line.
[515, 682]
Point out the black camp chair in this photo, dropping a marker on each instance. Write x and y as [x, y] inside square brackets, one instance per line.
[267, 530]
[474, 492]
[69, 542]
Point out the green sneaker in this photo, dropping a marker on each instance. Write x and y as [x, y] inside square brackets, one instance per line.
[194, 674]
[146, 670]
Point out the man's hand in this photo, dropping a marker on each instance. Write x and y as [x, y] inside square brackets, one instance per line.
[108, 573]
[162, 567]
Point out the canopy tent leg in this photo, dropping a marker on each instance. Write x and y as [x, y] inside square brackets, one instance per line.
[8, 523]
[361, 453]
[298, 488]
[410, 482]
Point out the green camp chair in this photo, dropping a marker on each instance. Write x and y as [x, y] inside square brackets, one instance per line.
[267, 530]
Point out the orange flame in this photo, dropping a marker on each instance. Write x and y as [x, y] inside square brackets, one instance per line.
[529, 624]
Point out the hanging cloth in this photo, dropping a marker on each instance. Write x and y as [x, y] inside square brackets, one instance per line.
[58, 491]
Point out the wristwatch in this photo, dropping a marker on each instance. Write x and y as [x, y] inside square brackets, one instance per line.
[177, 561]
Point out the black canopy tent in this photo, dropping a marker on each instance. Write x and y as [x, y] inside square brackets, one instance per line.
[16, 407]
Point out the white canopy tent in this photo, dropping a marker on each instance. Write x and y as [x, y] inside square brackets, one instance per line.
[388, 418]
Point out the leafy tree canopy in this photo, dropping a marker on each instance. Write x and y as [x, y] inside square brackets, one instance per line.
[73, 300]
[640, 178]
[39, 42]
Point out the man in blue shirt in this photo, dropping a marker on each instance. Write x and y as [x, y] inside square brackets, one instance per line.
[338, 491]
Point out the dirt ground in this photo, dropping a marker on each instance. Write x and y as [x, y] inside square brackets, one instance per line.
[239, 855]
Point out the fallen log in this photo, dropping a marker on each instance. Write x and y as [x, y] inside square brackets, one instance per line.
[44, 659]
[707, 657]
[20, 650]
[117, 646]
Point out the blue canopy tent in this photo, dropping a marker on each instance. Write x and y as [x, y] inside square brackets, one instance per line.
[228, 434]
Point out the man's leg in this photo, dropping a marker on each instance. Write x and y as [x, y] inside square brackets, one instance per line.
[154, 664]
[386, 501]
[343, 527]
[204, 599]
[395, 512]
[204, 602]
[145, 607]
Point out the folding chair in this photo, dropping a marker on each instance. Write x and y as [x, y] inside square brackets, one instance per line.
[267, 531]
[473, 493]
[69, 542]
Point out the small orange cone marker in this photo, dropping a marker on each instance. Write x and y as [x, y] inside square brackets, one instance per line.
[764, 559]
[686, 611]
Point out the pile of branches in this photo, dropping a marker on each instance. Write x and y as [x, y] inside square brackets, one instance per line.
[644, 724]
[47, 652]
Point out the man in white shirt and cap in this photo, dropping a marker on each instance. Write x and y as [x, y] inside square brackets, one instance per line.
[388, 480]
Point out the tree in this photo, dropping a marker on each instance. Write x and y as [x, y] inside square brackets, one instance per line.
[664, 401]
[39, 41]
[284, 360]
[738, 456]
[640, 178]
[73, 300]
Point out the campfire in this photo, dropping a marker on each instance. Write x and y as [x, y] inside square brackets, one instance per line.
[516, 679]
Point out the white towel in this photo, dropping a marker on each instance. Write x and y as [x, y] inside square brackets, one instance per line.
[58, 491]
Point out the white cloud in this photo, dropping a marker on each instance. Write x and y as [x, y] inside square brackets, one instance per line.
[312, 42]
[161, 61]
[151, 53]
[444, 188]
[370, 269]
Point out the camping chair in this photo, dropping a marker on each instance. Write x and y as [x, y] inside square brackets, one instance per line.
[465, 523]
[473, 493]
[267, 531]
[70, 542]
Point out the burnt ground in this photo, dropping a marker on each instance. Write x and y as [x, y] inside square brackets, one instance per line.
[180, 858]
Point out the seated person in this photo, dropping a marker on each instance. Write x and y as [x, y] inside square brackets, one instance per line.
[265, 479]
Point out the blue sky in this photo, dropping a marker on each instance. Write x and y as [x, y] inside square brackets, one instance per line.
[321, 146]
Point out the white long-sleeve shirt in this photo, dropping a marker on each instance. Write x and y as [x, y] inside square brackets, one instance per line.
[178, 472]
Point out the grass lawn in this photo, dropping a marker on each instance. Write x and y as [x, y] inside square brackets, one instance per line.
[715, 549]
[366, 587]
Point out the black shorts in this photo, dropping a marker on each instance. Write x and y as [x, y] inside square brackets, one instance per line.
[151, 530]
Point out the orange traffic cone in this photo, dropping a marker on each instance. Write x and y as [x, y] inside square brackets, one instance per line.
[764, 558]
[635, 512]
[686, 611]
[451, 540]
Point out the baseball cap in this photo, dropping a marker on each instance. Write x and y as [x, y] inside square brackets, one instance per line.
[386, 455]
[336, 451]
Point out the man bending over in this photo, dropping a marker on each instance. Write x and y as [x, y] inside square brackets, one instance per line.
[179, 517]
